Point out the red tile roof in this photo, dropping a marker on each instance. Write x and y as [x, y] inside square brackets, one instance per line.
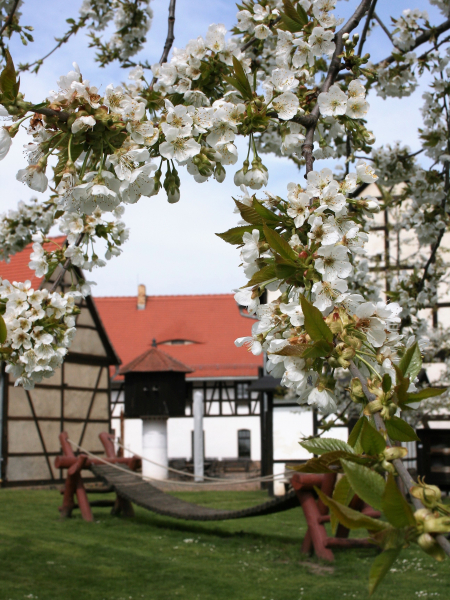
[211, 322]
[18, 270]
[154, 360]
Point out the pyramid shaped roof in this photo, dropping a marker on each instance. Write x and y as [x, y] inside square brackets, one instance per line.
[153, 360]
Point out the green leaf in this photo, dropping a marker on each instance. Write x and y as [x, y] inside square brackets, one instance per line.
[402, 386]
[372, 441]
[322, 445]
[386, 383]
[279, 244]
[423, 394]
[8, 79]
[234, 235]
[368, 484]
[315, 326]
[248, 213]
[291, 350]
[290, 24]
[352, 519]
[411, 362]
[356, 431]
[318, 349]
[289, 9]
[380, 566]
[265, 213]
[236, 84]
[3, 330]
[396, 509]
[264, 274]
[242, 77]
[400, 431]
[285, 271]
[343, 494]
[303, 17]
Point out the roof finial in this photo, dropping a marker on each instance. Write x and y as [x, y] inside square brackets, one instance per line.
[154, 343]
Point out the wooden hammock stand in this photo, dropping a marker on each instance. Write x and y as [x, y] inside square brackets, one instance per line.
[130, 488]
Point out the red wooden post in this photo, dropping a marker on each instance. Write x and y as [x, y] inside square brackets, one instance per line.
[316, 536]
[121, 505]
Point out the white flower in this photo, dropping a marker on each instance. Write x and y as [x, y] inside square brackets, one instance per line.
[332, 198]
[125, 161]
[321, 42]
[292, 141]
[302, 55]
[356, 89]
[324, 233]
[262, 31]
[318, 181]
[83, 124]
[257, 176]
[250, 250]
[34, 177]
[350, 301]
[294, 311]
[5, 142]
[322, 399]
[333, 263]
[286, 105]
[365, 173]
[178, 118]
[244, 298]
[283, 80]
[252, 344]
[332, 103]
[357, 108]
[215, 37]
[178, 147]
[143, 132]
[140, 184]
[298, 208]
[327, 292]
[372, 326]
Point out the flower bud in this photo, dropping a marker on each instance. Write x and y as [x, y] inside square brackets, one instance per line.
[421, 514]
[395, 452]
[437, 525]
[387, 466]
[173, 195]
[219, 173]
[429, 495]
[430, 546]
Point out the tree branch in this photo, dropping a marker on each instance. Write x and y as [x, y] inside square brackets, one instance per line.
[383, 27]
[9, 18]
[421, 39]
[169, 39]
[333, 71]
[366, 26]
[398, 463]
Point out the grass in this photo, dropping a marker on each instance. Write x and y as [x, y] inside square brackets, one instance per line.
[158, 558]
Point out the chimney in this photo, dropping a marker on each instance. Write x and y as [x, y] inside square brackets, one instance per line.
[141, 297]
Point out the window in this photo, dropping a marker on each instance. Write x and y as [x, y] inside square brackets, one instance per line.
[244, 450]
[242, 391]
[177, 343]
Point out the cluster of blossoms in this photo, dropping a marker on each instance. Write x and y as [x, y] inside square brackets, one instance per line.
[407, 28]
[310, 260]
[18, 226]
[40, 328]
[132, 22]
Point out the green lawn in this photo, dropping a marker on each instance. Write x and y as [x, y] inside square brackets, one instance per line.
[158, 558]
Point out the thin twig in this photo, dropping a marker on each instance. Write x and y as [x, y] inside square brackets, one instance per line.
[9, 18]
[383, 27]
[366, 26]
[74, 30]
[169, 39]
[398, 463]
[421, 39]
[65, 266]
[431, 259]
[333, 71]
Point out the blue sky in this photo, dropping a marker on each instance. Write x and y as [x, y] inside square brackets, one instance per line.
[172, 248]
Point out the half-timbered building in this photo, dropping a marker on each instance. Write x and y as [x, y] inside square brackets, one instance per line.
[76, 399]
